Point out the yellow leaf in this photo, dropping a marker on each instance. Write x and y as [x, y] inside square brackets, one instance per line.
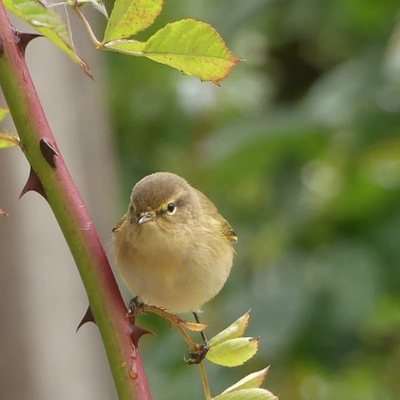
[47, 22]
[193, 47]
[247, 394]
[234, 330]
[3, 112]
[254, 380]
[130, 17]
[8, 139]
[233, 352]
[193, 326]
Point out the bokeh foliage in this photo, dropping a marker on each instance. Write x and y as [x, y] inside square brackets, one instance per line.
[300, 150]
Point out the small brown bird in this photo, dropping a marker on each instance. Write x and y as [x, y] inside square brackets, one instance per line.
[173, 248]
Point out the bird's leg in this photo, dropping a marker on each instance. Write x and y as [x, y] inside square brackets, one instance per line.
[198, 355]
[203, 335]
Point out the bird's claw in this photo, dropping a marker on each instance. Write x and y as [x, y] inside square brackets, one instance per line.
[197, 355]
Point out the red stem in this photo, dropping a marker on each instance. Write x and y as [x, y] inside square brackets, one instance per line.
[105, 299]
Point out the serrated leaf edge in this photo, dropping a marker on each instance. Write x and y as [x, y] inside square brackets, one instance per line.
[227, 335]
[258, 376]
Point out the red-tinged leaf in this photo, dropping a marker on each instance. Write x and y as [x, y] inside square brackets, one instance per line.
[3, 213]
[8, 139]
[234, 330]
[247, 394]
[48, 23]
[254, 380]
[193, 47]
[233, 352]
[130, 17]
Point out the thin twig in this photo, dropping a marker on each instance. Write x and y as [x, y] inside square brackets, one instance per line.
[204, 379]
[179, 324]
[174, 320]
[88, 28]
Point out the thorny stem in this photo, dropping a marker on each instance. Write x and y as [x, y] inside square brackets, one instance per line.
[56, 184]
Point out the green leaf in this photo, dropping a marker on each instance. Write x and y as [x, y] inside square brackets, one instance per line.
[129, 17]
[234, 330]
[131, 47]
[193, 47]
[3, 112]
[254, 380]
[8, 139]
[233, 352]
[247, 394]
[48, 23]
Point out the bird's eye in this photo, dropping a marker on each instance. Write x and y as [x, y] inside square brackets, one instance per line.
[171, 207]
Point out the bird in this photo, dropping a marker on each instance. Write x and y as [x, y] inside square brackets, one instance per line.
[173, 249]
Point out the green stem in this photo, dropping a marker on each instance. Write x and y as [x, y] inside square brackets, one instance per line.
[105, 300]
[179, 323]
[204, 379]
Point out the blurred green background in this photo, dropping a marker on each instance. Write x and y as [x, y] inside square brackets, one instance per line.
[300, 150]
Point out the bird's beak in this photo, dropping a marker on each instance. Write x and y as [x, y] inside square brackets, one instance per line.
[147, 217]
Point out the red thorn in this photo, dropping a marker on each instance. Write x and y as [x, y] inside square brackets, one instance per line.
[136, 332]
[88, 317]
[33, 183]
[23, 38]
[48, 152]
